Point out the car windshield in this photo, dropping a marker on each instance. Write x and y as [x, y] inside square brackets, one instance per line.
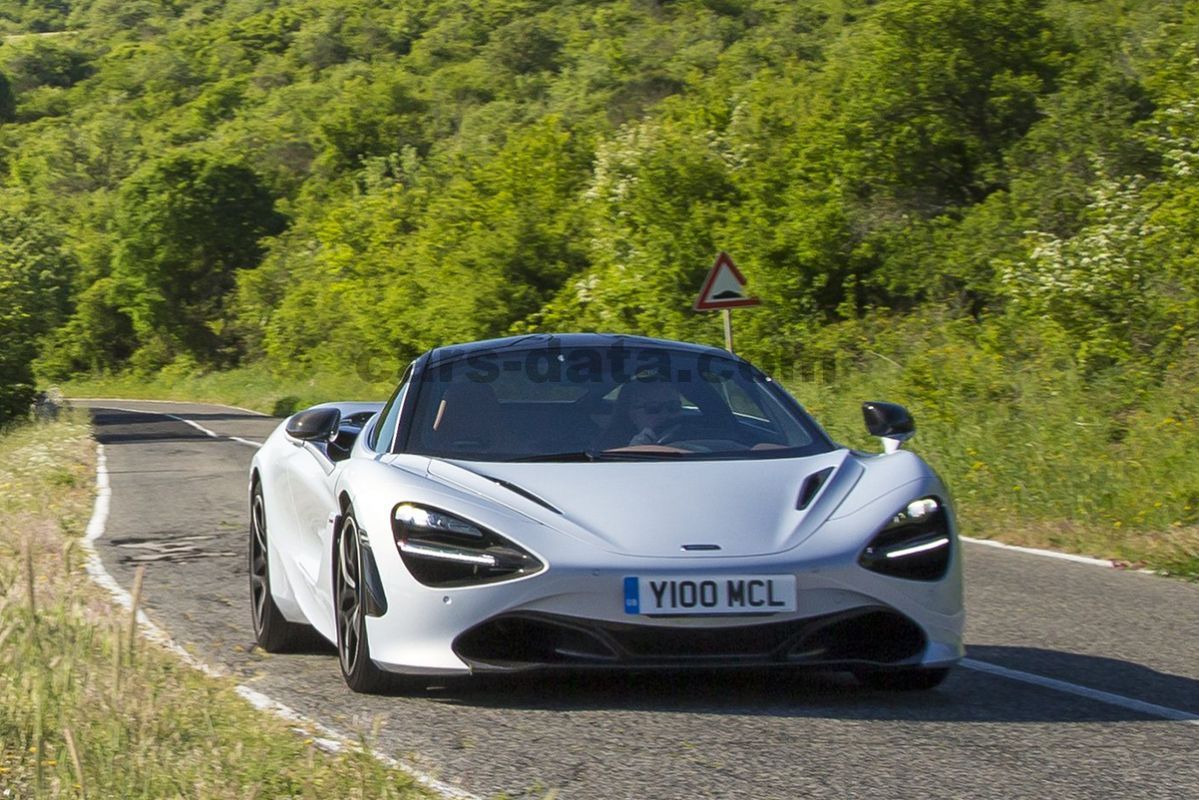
[605, 403]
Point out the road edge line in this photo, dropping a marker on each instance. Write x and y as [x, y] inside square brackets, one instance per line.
[1091, 561]
[207, 432]
[177, 402]
[1037, 551]
[335, 740]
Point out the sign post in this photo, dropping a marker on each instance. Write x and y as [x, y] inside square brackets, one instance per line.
[724, 289]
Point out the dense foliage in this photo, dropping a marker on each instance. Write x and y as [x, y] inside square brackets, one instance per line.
[204, 184]
[233, 180]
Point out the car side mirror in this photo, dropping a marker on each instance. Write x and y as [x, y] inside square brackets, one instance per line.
[890, 422]
[314, 425]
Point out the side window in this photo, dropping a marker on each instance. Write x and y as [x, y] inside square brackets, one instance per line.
[758, 413]
[384, 431]
[739, 401]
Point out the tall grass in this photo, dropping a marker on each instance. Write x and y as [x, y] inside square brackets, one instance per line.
[88, 709]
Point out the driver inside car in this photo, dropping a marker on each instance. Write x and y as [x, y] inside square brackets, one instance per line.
[655, 409]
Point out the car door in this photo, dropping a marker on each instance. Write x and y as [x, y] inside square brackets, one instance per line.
[310, 475]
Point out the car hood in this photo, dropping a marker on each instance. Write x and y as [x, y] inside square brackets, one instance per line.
[658, 508]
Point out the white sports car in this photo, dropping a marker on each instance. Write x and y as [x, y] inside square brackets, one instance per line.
[589, 501]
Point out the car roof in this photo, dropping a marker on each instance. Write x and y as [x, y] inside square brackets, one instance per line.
[539, 341]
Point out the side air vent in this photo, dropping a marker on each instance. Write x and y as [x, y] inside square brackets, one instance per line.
[811, 487]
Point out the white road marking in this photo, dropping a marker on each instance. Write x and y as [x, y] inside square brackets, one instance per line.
[204, 430]
[207, 432]
[195, 425]
[163, 402]
[332, 739]
[1140, 706]
[1036, 551]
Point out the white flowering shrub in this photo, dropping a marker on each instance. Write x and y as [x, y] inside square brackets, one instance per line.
[1096, 284]
[1177, 138]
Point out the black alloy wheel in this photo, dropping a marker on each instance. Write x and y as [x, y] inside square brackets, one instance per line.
[353, 647]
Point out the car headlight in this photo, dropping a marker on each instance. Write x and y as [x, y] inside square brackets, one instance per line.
[443, 550]
[915, 544]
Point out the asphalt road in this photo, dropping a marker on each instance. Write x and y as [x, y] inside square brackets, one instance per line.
[179, 506]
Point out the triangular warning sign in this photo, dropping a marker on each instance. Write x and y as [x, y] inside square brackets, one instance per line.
[724, 287]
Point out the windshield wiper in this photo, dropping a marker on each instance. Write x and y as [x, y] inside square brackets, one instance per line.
[644, 455]
[571, 455]
[615, 454]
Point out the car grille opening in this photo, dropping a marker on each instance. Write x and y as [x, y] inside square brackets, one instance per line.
[513, 640]
[524, 640]
[880, 636]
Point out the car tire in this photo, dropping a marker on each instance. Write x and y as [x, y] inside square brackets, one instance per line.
[353, 644]
[272, 631]
[916, 679]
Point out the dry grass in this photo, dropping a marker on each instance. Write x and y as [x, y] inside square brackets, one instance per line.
[89, 710]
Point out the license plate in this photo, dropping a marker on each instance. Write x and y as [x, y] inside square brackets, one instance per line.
[710, 594]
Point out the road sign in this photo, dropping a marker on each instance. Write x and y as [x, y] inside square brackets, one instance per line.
[724, 287]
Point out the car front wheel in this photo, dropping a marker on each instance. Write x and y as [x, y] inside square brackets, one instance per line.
[353, 646]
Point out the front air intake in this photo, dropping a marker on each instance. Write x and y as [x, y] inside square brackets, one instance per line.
[523, 640]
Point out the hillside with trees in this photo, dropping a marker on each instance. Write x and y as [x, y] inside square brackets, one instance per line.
[989, 211]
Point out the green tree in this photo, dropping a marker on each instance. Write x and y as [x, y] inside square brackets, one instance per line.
[373, 114]
[8, 101]
[46, 62]
[184, 225]
[35, 272]
[501, 239]
[658, 197]
[934, 93]
[98, 337]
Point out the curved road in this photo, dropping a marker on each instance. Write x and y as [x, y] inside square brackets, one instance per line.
[1074, 670]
